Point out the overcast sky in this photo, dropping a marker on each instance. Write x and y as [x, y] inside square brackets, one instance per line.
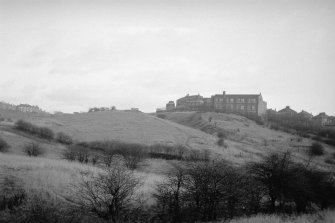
[72, 55]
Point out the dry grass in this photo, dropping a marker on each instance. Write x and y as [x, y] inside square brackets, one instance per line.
[248, 141]
[324, 216]
[60, 177]
[125, 126]
[17, 143]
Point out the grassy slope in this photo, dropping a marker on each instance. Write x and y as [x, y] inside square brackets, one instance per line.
[60, 177]
[247, 140]
[124, 126]
[324, 216]
[57, 176]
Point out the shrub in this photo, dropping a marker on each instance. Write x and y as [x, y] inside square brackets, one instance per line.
[12, 194]
[24, 126]
[316, 149]
[220, 142]
[69, 155]
[133, 155]
[3, 145]
[64, 138]
[77, 152]
[162, 116]
[330, 160]
[45, 133]
[38, 208]
[221, 135]
[33, 149]
[109, 194]
[42, 132]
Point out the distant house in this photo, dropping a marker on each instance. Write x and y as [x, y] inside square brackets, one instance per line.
[305, 115]
[58, 113]
[190, 102]
[322, 119]
[170, 106]
[28, 108]
[331, 123]
[287, 112]
[158, 110]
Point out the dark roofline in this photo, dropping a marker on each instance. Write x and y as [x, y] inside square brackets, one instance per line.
[243, 95]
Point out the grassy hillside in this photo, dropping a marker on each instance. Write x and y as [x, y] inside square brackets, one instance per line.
[246, 140]
[324, 216]
[124, 126]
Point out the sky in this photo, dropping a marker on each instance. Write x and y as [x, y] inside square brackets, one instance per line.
[68, 55]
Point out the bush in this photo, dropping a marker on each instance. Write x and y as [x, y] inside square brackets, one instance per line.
[221, 135]
[42, 132]
[316, 149]
[33, 149]
[12, 194]
[46, 133]
[64, 138]
[38, 208]
[109, 194]
[162, 116]
[77, 152]
[69, 155]
[220, 142]
[24, 126]
[3, 145]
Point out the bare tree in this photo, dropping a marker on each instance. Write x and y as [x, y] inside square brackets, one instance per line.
[170, 195]
[108, 195]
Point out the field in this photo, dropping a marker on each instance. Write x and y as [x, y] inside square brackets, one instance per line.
[324, 216]
[125, 126]
[244, 141]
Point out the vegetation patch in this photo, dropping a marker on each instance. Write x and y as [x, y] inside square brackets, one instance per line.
[3, 145]
[27, 127]
[63, 138]
[33, 149]
[316, 149]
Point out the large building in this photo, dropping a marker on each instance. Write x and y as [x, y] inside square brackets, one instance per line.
[190, 103]
[244, 104]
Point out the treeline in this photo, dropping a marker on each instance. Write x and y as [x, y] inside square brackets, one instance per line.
[191, 192]
[132, 153]
[28, 127]
[43, 132]
[203, 192]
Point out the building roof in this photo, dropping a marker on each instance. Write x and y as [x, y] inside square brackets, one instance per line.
[321, 115]
[305, 113]
[287, 109]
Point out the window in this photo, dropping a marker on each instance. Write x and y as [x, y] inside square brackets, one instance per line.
[232, 100]
[242, 100]
[253, 107]
[232, 107]
[242, 107]
[238, 100]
